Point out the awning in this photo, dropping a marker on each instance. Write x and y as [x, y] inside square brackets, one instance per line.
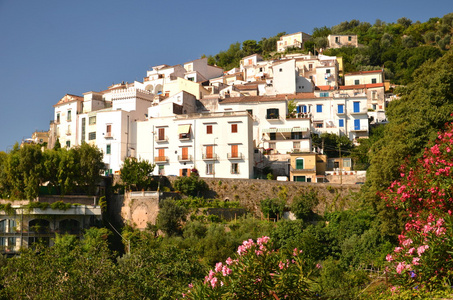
[267, 130]
[284, 129]
[299, 129]
[183, 129]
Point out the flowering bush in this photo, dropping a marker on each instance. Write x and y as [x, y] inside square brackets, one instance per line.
[258, 272]
[423, 259]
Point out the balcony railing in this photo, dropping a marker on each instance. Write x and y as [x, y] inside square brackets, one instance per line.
[108, 135]
[161, 139]
[68, 132]
[235, 156]
[185, 157]
[209, 156]
[295, 170]
[184, 136]
[271, 118]
[161, 159]
[360, 111]
[360, 128]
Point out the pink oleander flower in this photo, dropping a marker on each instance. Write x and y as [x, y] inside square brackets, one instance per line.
[263, 240]
[258, 252]
[422, 249]
[389, 258]
[190, 285]
[440, 231]
[242, 249]
[281, 265]
[415, 261]
[318, 266]
[411, 251]
[400, 267]
[213, 282]
[407, 242]
[398, 249]
[229, 261]
[226, 271]
[218, 267]
[295, 252]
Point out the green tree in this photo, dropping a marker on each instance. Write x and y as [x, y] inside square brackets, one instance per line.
[303, 205]
[170, 217]
[137, 174]
[91, 166]
[191, 185]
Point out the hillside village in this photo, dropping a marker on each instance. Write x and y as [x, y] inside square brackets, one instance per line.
[239, 123]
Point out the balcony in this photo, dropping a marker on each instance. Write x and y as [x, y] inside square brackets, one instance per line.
[161, 159]
[360, 129]
[235, 156]
[108, 135]
[209, 156]
[299, 116]
[362, 111]
[273, 118]
[68, 132]
[161, 139]
[294, 170]
[184, 136]
[185, 158]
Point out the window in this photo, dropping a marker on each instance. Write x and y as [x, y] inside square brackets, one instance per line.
[3, 226]
[185, 153]
[208, 129]
[209, 151]
[234, 151]
[272, 113]
[272, 136]
[299, 178]
[209, 169]
[324, 94]
[69, 116]
[341, 123]
[341, 108]
[374, 95]
[191, 79]
[347, 163]
[318, 124]
[373, 80]
[92, 135]
[299, 163]
[68, 144]
[319, 108]
[108, 131]
[310, 67]
[234, 128]
[235, 168]
[356, 124]
[108, 149]
[356, 108]
[356, 82]
[161, 170]
[161, 154]
[161, 134]
[250, 111]
[296, 136]
[250, 62]
[349, 38]
[92, 120]
[58, 117]
[337, 39]
[374, 106]
[296, 145]
[328, 71]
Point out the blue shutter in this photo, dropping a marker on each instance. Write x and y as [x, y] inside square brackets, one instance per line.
[319, 108]
[304, 108]
[356, 124]
[341, 123]
[340, 108]
[356, 107]
[298, 109]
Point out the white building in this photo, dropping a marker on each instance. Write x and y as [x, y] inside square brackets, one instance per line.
[294, 40]
[64, 126]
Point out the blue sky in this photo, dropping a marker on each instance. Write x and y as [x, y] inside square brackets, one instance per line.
[52, 48]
